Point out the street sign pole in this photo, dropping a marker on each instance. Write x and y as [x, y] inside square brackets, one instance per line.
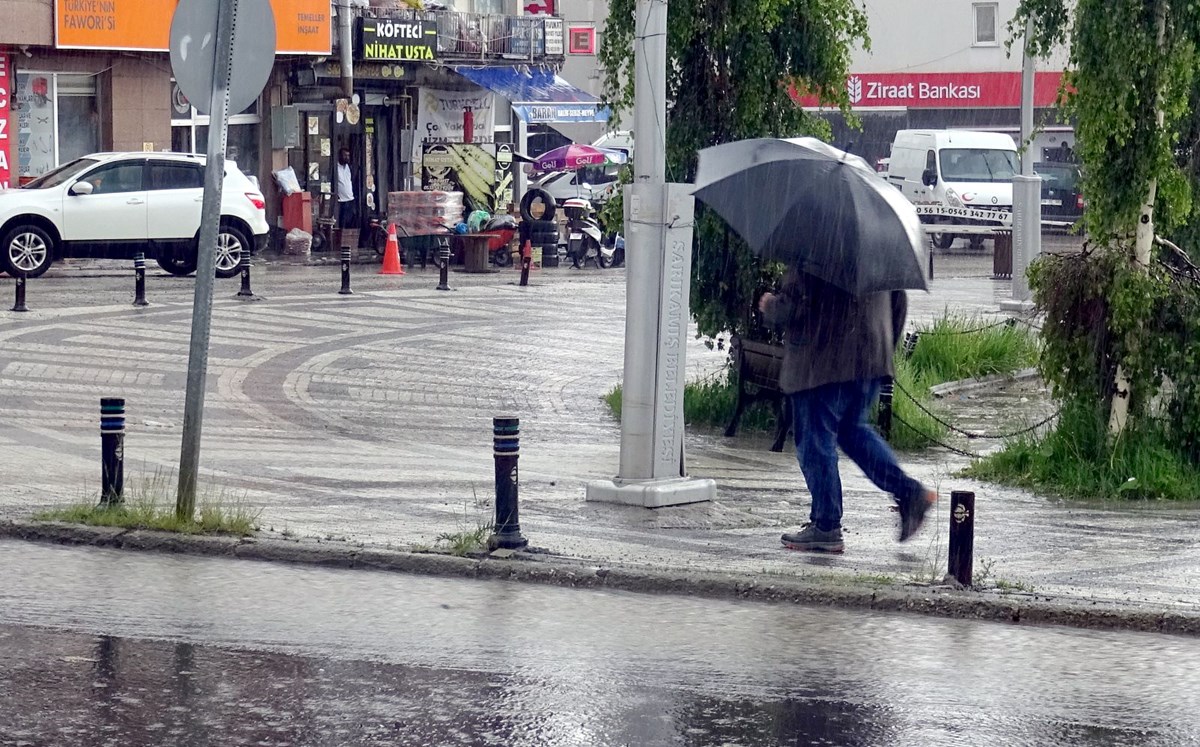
[206, 264]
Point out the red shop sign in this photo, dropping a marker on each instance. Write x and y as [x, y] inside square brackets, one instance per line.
[6, 91]
[942, 90]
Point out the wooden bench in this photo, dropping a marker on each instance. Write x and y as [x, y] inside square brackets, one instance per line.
[758, 365]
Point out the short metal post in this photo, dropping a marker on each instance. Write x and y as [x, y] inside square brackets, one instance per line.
[885, 409]
[345, 291]
[244, 264]
[19, 304]
[139, 280]
[962, 535]
[443, 264]
[910, 343]
[931, 260]
[506, 444]
[526, 262]
[112, 451]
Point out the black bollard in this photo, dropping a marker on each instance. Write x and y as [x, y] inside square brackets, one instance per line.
[19, 304]
[526, 261]
[244, 265]
[345, 291]
[506, 445]
[884, 420]
[112, 451]
[443, 260]
[931, 260]
[962, 535]
[139, 280]
[910, 343]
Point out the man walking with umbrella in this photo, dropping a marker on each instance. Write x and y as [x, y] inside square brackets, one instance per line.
[852, 244]
[837, 352]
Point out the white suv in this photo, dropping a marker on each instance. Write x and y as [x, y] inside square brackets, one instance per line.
[114, 205]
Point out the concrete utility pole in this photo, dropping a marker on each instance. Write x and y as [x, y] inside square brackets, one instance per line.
[1027, 192]
[658, 221]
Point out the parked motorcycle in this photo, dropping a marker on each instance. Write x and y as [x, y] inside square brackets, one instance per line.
[584, 237]
[612, 253]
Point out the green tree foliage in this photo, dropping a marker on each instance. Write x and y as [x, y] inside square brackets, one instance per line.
[1131, 87]
[728, 69]
[1120, 73]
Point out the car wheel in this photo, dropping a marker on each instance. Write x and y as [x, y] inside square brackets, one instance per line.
[177, 266]
[943, 240]
[28, 250]
[231, 243]
[976, 243]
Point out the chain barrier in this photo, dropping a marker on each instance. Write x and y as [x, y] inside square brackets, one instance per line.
[1010, 322]
[933, 440]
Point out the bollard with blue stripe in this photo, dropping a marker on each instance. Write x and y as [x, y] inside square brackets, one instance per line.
[139, 280]
[506, 447]
[112, 451]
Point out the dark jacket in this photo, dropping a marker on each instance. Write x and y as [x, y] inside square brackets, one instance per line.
[831, 336]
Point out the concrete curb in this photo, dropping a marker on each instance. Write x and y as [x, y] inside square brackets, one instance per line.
[546, 569]
[969, 385]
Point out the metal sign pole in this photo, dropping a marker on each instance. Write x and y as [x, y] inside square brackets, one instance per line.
[206, 264]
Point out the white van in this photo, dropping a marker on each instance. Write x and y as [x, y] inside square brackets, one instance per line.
[957, 169]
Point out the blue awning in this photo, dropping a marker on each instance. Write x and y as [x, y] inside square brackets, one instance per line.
[539, 95]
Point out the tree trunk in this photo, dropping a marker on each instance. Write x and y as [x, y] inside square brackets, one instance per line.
[1143, 242]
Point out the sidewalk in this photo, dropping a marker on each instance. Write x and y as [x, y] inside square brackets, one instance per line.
[367, 419]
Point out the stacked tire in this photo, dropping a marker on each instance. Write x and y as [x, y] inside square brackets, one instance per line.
[537, 211]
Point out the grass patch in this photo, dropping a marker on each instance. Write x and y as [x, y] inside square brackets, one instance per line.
[466, 542]
[958, 347]
[912, 427]
[150, 504]
[1077, 459]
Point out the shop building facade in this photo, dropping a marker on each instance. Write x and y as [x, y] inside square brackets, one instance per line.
[375, 76]
[941, 64]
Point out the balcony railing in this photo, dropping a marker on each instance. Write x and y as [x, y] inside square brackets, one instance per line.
[483, 37]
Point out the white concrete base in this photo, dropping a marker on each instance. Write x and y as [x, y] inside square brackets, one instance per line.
[1020, 307]
[652, 493]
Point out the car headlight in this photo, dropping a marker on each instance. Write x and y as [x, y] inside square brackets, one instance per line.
[952, 198]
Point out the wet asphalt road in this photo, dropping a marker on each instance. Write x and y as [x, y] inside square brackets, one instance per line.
[99, 647]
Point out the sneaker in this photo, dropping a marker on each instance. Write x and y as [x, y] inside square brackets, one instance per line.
[912, 514]
[811, 539]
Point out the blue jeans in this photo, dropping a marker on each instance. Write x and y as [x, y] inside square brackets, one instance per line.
[836, 415]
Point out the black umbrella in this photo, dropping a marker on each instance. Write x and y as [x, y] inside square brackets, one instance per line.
[817, 208]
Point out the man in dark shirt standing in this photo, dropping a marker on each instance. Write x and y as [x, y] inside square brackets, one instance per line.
[837, 352]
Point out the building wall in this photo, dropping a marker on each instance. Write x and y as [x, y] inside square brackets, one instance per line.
[138, 104]
[938, 36]
[27, 22]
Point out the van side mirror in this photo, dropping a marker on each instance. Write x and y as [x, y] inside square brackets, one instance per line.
[929, 178]
[82, 188]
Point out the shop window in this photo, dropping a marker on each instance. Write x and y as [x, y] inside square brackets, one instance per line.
[58, 120]
[986, 19]
[189, 132]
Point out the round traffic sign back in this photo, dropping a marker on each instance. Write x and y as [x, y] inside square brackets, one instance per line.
[193, 47]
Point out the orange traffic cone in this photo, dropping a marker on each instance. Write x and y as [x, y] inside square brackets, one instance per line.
[391, 254]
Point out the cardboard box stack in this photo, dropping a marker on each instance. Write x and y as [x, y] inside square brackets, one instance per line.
[424, 213]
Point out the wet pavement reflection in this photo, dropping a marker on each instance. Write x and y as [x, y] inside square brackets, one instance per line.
[106, 648]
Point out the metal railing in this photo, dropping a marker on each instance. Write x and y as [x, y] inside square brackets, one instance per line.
[481, 36]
